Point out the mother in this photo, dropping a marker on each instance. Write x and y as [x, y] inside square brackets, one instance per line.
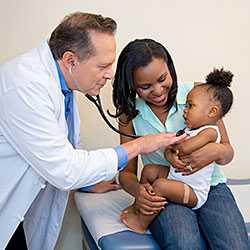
[218, 223]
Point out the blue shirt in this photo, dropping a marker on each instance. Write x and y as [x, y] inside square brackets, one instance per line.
[65, 90]
[68, 94]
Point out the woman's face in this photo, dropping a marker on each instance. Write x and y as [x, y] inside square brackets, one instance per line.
[153, 82]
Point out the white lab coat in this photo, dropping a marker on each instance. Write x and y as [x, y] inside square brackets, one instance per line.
[38, 164]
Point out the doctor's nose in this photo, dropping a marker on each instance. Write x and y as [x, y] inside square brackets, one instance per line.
[109, 74]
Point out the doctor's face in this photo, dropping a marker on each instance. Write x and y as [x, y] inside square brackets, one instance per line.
[90, 75]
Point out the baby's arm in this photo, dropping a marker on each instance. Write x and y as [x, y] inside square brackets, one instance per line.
[194, 143]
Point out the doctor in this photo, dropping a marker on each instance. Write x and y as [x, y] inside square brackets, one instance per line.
[39, 129]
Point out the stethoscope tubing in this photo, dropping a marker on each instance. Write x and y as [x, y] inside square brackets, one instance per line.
[97, 101]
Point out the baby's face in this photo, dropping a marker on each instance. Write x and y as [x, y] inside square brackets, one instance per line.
[198, 106]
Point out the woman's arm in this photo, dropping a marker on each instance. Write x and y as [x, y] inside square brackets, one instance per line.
[221, 153]
[128, 177]
[225, 152]
[147, 203]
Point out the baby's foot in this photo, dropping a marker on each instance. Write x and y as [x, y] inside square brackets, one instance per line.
[132, 220]
[129, 209]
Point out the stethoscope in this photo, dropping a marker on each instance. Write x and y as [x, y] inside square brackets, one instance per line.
[97, 101]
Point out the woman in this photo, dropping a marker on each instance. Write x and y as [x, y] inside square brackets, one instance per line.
[145, 68]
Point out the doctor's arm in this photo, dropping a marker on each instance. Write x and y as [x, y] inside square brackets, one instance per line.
[29, 122]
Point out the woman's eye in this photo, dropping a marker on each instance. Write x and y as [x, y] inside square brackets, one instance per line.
[145, 87]
[162, 79]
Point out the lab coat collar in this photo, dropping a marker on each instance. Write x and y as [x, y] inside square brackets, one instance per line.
[48, 61]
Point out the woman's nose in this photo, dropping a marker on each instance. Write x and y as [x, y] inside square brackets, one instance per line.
[158, 90]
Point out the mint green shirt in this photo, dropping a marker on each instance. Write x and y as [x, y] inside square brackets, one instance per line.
[146, 122]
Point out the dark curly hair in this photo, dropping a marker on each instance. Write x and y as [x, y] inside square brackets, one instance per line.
[219, 81]
[138, 53]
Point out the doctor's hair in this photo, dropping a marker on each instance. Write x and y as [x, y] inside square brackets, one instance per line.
[72, 34]
[138, 53]
[218, 83]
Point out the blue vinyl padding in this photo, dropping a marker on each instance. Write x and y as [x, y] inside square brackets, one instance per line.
[88, 237]
[248, 230]
[238, 181]
[128, 240]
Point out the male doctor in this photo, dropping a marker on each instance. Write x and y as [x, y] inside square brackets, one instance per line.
[39, 129]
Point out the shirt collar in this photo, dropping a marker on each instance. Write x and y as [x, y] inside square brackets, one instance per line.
[64, 86]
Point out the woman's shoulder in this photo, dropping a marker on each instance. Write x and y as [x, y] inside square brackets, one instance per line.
[140, 104]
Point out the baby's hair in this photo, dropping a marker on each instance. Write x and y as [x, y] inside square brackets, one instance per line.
[219, 81]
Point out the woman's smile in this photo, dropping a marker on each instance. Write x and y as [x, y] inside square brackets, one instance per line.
[159, 99]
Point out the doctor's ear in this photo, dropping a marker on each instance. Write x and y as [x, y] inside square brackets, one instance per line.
[68, 59]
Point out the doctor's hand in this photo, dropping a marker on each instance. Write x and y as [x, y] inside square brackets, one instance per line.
[153, 142]
[146, 201]
[105, 186]
[149, 143]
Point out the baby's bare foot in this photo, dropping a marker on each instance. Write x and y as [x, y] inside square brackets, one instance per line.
[129, 209]
[132, 221]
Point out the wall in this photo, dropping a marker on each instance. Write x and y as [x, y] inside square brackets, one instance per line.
[199, 34]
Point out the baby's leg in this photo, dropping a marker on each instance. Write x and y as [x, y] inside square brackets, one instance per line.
[149, 174]
[173, 190]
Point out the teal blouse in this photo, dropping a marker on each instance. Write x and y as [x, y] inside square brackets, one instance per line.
[146, 122]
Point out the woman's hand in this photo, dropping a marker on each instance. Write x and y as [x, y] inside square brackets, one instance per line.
[105, 186]
[172, 156]
[146, 200]
[189, 164]
[222, 153]
[199, 158]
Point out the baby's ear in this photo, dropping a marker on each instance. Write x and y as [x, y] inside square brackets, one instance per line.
[214, 111]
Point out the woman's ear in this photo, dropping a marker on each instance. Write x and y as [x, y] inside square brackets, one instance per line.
[214, 111]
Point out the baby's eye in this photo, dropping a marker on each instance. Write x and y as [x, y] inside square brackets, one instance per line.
[188, 105]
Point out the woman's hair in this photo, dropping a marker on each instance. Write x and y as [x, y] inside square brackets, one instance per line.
[72, 34]
[138, 53]
[219, 82]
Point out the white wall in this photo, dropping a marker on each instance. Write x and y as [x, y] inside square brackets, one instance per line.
[200, 35]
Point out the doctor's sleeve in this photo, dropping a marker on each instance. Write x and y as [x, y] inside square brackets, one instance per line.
[29, 124]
